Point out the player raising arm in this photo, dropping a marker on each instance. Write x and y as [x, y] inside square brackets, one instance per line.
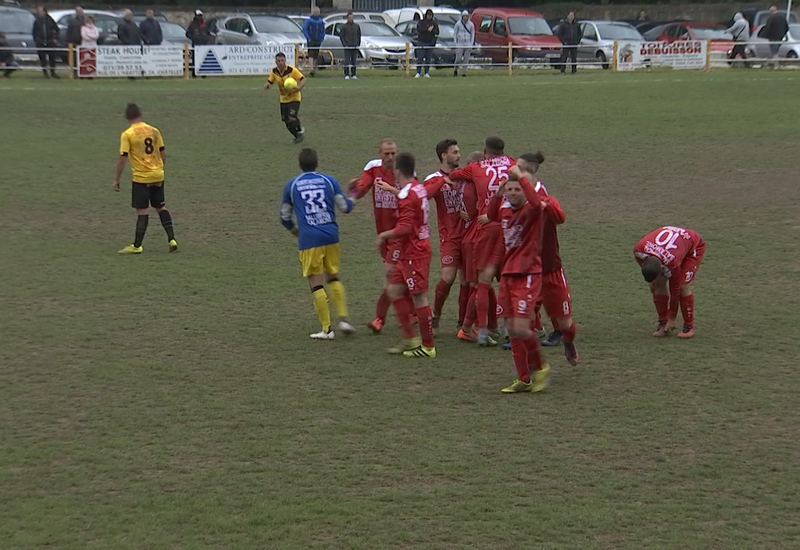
[520, 215]
[669, 258]
[412, 269]
[311, 197]
[144, 146]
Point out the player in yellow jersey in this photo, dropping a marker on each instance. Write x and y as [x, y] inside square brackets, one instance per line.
[144, 146]
[290, 99]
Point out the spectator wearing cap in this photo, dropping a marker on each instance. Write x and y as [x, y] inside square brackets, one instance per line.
[464, 38]
[199, 32]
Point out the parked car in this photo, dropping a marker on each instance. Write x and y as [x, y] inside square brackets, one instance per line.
[299, 19]
[139, 16]
[359, 16]
[441, 14]
[106, 22]
[173, 33]
[527, 30]
[242, 28]
[790, 48]
[18, 26]
[761, 16]
[598, 39]
[380, 44]
[721, 42]
[444, 54]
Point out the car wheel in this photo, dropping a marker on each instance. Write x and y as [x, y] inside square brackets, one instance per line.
[601, 58]
[791, 55]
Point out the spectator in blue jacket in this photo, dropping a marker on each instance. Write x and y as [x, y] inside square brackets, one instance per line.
[314, 31]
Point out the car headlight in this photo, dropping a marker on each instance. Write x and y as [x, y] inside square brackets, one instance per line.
[369, 44]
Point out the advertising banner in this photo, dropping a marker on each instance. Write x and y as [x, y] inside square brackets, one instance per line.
[122, 61]
[238, 60]
[681, 54]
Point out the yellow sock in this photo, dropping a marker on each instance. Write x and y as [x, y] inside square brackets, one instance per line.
[321, 307]
[339, 300]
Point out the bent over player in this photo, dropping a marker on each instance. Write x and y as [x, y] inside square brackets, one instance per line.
[669, 258]
[144, 146]
[312, 196]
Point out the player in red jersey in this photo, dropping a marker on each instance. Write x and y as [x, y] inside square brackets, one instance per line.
[671, 255]
[411, 272]
[385, 209]
[467, 312]
[486, 176]
[449, 204]
[520, 214]
[555, 289]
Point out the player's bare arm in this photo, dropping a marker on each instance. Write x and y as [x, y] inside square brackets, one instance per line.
[386, 187]
[120, 166]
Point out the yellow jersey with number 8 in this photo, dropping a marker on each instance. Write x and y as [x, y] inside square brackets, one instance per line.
[143, 144]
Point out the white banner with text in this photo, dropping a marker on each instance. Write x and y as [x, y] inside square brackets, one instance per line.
[130, 61]
[238, 60]
[682, 54]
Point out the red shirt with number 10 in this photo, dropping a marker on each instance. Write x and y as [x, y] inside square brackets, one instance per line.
[669, 244]
[412, 230]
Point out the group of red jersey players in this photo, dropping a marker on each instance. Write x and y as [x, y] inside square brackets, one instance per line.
[496, 220]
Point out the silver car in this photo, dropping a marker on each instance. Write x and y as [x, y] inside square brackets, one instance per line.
[242, 28]
[759, 46]
[598, 39]
[380, 44]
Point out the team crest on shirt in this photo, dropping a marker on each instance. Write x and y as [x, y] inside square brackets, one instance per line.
[447, 259]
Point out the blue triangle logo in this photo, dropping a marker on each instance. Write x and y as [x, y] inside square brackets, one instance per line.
[210, 64]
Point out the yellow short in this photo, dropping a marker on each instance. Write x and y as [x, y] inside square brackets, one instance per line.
[320, 259]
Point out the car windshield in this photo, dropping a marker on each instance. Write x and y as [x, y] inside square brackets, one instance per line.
[446, 31]
[172, 31]
[529, 26]
[618, 32]
[371, 28]
[275, 25]
[446, 18]
[794, 31]
[710, 33]
[16, 22]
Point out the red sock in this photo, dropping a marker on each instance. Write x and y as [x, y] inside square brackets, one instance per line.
[534, 353]
[662, 306]
[687, 309]
[442, 292]
[569, 333]
[492, 319]
[425, 319]
[520, 351]
[472, 310]
[404, 313]
[382, 308]
[463, 301]
[482, 303]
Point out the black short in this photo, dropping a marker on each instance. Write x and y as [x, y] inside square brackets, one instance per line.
[313, 50]
[143, 194]
[289, 109]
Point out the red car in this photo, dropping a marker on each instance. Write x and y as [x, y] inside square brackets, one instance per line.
[721, 41]
[526, 30]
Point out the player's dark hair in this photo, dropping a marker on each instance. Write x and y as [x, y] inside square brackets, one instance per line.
[308, 160]
[405, 164]
[533, 158]
[132, 111]
[444, 146]
[495, 145]
[651, 268]
[280, 54]
[349, 13]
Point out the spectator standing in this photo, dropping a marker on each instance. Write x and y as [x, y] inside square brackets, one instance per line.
[314, 31]
[89, 33]
[464, 38]
[569, 31]
[427, 31]
[74, 34]
[199, 32]
[7, 60]
[350, 36]
[150, 29]
[775, 29]
[45, 35]
[740, 30]
[128, 31]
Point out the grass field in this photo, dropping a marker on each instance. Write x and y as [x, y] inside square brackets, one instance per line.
[175, 401]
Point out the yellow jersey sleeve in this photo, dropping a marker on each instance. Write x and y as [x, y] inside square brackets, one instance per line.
[271, 77]
[296, 74]
[124, 144]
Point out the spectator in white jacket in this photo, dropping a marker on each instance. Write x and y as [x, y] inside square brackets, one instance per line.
[89, 33]
[741, 35]
[464, 38]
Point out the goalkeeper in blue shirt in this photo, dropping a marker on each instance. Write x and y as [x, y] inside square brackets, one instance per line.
[311, 198]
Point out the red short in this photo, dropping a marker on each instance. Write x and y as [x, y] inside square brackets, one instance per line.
[390, 251]
[413, 274]
[468, 262]
[490, 248]
[555, 294]
[691, 263]
[450, 253]
[519, 294]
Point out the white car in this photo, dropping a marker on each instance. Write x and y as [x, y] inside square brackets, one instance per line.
[242, 28]
[361, 16]
[411, 14]
[759, 46]
[598, 39]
